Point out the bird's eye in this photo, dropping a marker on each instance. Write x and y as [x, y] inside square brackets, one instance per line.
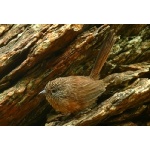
[53, 91]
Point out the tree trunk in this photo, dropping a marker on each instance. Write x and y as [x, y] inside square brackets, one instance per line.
[31, 55]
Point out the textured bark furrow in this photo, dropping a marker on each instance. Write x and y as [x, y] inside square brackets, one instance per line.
[4, 28]
[12, 33]
[128, 115]
[33, 56]
[18, 51]
[128, 29]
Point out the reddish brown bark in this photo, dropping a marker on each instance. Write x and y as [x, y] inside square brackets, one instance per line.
[31, 55]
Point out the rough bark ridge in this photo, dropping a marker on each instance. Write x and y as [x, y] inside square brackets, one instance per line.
[31, 55]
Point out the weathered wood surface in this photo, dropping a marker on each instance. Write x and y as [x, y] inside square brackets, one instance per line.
[31, 55]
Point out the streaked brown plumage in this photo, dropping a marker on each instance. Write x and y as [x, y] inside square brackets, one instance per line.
[73, 93]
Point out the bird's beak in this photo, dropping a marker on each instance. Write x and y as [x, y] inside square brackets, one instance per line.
[42, 92]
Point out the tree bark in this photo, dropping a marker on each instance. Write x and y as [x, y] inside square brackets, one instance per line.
[31, 55]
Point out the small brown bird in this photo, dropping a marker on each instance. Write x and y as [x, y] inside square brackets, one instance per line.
[73, 93]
